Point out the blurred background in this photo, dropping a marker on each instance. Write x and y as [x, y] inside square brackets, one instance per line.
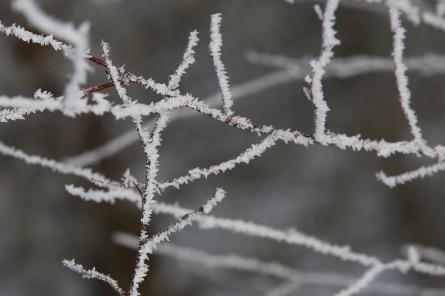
[323, 191]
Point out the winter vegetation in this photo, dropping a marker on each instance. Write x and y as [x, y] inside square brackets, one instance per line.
[150, 119]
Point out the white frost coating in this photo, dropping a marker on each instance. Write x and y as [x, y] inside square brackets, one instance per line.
[144, 196]
[78, 37]
[419, 173]
[151, 243]
[273, 269]
[93, 274]
[109, 196]
[46, 23]
[150, 84]
[413, 13]
[152, 154]
[98, 196]
[400, 73]
[44, 101]
[47, 102]
[284, 289]
[413, 263]
[14, 114]
[345, 67]
[220, 194]
[215, 51]
[406, 7]
[329, 41]
[29, 37]
[136, 110]
[436, 19]
[416, 14]
[73, 90]
[230, 261]
[429, 253]
[150, 145]
[381, 147]
[246, 157]
[290, 236]
[187, 60]
[239, 91]
[56, 166]
[341, 141]
[114, 73]
[254, 151]
[285, 236]
[363, 282]
[339, 68]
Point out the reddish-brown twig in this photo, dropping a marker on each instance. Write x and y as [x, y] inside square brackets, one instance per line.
[97, 88]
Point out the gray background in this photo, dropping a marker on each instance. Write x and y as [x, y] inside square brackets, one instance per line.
[323, 191]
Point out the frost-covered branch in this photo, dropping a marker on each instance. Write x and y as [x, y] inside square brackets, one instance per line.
[246, 157]
[284, 289]
[75, 101]
[93, 274]
[239, 91]
[290, 236]
[109, 196]
[329, 41]
[266, 268]
[115, 75]
[46, 23]
[428, 253]
[14, 114]
[413, 12]
[339, 68]
[44, 101]
[187, 60]
[150, 144]
[412, 263]
[215, 51]
[78, 37]
[400, 73]
[351, 66]
[150, 243]
[29, 37]
[59, 167]
[420, 173]
[364, 281]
